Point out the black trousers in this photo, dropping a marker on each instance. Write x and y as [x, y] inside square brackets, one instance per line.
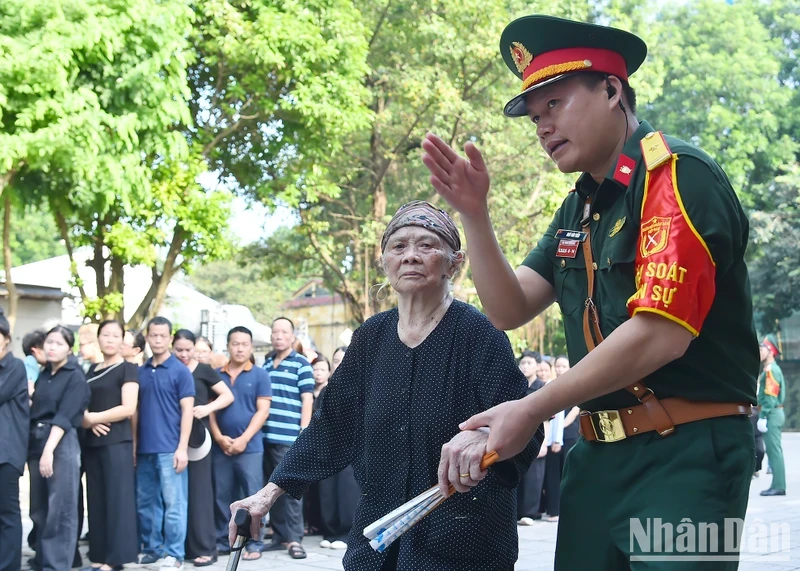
[10, 519]
[111, 502]
[200, 531]
[529, 491]
[54, 508]
[286, 516]
[554, 468]
[338, 497]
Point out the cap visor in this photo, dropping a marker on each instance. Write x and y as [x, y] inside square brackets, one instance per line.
[516, 106]
[201, 451]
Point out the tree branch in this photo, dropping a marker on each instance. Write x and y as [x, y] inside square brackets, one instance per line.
[10, 287]
[379, 24]
[62, 227]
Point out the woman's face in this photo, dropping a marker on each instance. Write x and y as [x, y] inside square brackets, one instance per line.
[321, 373]
[337, 360]
[202, 352]
[528, 367]
[183, 349]
[110, 339]
[416, 259]
[543, 371]
[128, 350]
[56, 348]
[562, 366]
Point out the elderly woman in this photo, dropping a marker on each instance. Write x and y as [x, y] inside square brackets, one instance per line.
[408, 378]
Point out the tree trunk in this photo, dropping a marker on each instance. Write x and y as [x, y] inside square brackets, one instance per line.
[10, 287]
[154, 298]
[117, 284]
[379, 202]
[62, 227]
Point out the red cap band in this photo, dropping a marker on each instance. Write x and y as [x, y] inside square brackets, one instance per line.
[602, 60]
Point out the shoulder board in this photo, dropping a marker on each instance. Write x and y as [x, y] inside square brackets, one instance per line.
[655, 150]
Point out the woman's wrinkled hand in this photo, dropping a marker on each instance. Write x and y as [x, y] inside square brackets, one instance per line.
[460, 462]
[258, 505]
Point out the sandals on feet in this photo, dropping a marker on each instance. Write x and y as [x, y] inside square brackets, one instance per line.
[204, 560]
[251, 555]
[297, 552]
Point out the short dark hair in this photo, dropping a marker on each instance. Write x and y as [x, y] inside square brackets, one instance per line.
[562, 357]
[535, 355]
[67, 335]
[5, 328]
[158, 320]
[184, 334]
[110, 322]
[320, 358]
[204, 340]
[139, 342]
[285, 319]
[239, 329]
[592, 78]
[33, 340]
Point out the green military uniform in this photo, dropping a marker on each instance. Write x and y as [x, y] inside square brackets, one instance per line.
[771, 394]
[667, 236]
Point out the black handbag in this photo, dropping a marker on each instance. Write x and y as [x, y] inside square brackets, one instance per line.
[40, 432]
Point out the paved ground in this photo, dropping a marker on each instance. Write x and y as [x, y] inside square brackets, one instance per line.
[537, 543]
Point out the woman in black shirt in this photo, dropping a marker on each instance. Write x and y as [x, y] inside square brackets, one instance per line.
[14, 419]
[201, 541]
[108, 453]
[57, 407]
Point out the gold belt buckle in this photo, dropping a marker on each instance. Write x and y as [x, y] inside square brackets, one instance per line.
[607, 426]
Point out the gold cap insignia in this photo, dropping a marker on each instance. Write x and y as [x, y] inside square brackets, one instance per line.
[522, 57]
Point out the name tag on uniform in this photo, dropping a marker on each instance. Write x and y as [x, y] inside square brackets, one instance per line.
[571, 235]
[567, 248]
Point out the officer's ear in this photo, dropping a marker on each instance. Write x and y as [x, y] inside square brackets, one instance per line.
[612, 90]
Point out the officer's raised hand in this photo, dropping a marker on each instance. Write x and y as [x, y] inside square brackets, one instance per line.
[462, 182]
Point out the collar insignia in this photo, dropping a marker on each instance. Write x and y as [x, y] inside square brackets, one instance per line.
[617, 227]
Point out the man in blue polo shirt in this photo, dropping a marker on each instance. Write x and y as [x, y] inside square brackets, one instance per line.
[292, 401]
[237, 454]
[166, 399]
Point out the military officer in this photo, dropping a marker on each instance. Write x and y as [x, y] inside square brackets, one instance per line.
[771, 394]
[645, 258]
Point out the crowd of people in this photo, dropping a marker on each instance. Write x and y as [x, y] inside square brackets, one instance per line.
[168, 434]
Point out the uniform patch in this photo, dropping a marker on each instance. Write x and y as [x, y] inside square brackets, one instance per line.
[655, 236]
[617, 227]
[624, 169]
[567, 249]
[571, 235]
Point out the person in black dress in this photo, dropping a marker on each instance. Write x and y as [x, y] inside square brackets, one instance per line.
[14, 420]
[211, 394]
[108, 453]
[339, 494]
[58, 403]
[393, 407]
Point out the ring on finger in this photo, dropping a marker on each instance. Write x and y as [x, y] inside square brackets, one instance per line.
[464, 475]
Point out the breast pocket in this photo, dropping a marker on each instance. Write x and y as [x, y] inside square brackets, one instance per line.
[616, 276]
[570, 283]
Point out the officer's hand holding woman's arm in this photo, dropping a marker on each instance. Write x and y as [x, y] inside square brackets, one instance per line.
[646, 341]
[510, 299]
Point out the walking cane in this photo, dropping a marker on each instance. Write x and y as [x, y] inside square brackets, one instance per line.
[242, 521]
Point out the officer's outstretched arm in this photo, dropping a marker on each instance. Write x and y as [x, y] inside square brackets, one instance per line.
[638, 347]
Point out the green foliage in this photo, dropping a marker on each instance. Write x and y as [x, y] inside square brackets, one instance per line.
[34, 236]
[276, 86]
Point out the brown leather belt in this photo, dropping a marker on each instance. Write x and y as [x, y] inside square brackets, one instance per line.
[615, 425]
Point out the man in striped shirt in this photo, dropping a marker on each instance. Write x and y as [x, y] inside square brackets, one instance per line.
[292, 400]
